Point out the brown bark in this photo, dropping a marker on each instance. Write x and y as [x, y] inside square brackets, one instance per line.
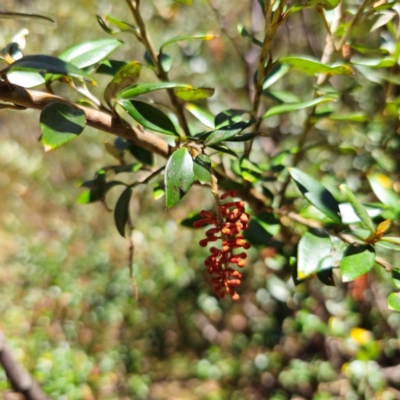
[20, 379]
[97, 119]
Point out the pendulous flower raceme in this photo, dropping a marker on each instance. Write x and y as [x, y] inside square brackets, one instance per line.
[229, 223]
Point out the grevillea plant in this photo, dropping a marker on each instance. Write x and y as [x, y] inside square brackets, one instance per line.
[317, 111]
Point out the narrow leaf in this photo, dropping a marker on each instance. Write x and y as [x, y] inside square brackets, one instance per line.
[125, 77]
[183, 38]
[90, 53]
[187, 2]
[283, 108]
[358, 208]
[144, 88]
[224, 149]
[47, 65]
[250, 171]
[316, 194]
[110, 67]
[382, 186]
[276, 73]
[17, 15]
[313, 248]
[312, 67]
[122, 25]
[206, 118]
[121, 212]
[357, 261]
[201, 168]
[225, 133]
[221, 135]
[60, 123]
[179, 176]
[149, 116]
[193, 94]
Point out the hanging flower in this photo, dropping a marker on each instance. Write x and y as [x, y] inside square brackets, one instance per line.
[229, 224]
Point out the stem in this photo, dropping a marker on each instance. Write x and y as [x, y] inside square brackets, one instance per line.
[271, 26]
[353, 23]
[131, 259]
[214, 191]
[161, 74]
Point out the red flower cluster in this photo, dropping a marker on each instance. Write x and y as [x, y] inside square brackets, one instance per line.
[229, 224]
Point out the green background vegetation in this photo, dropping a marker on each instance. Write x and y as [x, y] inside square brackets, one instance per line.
[66, 299]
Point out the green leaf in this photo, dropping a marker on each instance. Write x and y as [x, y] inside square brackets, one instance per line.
[316, 194]
[144, 88]
[25, 79]
[165, 61]
[105, 28]
[191, 219]
[201, 168]
[125, 77]
[47, 65]
[128, 168]
[90, 53]
[358, 208]
[143, 155]
[313, 248]
[242, 138]
[17, 15]
[183, 38]
[326, 276]
[262, 227]
[391, 239]
[250, 171]
[351, 117]
[357, 261]
[312, 67]
[187, 2]
[193, 94]
[277, 72]
[227, 132]
[149, 116]
[60, 123]
[378, 62]
[245, 33]
[350, 217]
[158, 191]
[394, 301]
[326, 4]
[283, 108]
[229, 117]
[121, 212]
[224, 149]
[382, 186]
[98, 190]
[122, 25]
[110, 67]
[179, 176]
[396, 278]
[206, 118]
[221, 135]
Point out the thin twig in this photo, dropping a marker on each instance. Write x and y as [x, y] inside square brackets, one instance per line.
[161, 74]
[271, 25]
[131, 259]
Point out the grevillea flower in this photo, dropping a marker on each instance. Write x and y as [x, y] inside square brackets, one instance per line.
[229, 224]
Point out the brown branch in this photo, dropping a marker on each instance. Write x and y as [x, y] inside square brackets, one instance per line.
[20, 379]
[103, 121]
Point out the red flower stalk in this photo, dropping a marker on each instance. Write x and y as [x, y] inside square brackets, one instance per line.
[229, 223]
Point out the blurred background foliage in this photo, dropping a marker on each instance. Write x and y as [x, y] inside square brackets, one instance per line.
[66, 300]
